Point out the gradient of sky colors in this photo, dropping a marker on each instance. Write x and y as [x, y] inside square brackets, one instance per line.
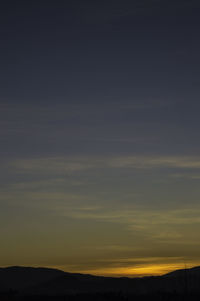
[99, 135]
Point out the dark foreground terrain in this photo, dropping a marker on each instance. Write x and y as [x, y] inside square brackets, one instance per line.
[11, 296]
[23, 283]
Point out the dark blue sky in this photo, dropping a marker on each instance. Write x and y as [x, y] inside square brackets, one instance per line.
[99, 129]
[89, 51]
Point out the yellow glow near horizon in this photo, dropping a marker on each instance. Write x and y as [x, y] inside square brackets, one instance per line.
[138, 271]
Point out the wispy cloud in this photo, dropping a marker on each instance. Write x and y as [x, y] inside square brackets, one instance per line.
[70, 163]
[137, 216]
[188, 176]
[156, 162]
[160, 225]
[54, 169]
[56, 165]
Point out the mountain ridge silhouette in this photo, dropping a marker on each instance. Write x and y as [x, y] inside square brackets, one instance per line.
[49, 281]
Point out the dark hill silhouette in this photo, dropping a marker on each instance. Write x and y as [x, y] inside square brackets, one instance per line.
[44, 281]
[183, 272]
[22, 277]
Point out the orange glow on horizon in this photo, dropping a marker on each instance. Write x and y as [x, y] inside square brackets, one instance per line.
[138, 271]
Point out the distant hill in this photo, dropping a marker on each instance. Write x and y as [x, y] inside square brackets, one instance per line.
[45, 281]
[22, 277]
[184, 272]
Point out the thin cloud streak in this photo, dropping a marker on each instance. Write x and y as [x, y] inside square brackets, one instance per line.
[74, 164]
[136, 216]
[160, 226]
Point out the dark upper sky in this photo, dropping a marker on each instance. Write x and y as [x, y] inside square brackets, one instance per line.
[93, 51]
[90, 53]
[99, 109]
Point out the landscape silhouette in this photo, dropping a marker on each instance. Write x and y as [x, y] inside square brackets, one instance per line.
[28, 283]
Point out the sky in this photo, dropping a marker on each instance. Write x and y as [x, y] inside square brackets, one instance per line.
[99, 135]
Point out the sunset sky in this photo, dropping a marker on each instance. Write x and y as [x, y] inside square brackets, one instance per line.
[100, 135]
